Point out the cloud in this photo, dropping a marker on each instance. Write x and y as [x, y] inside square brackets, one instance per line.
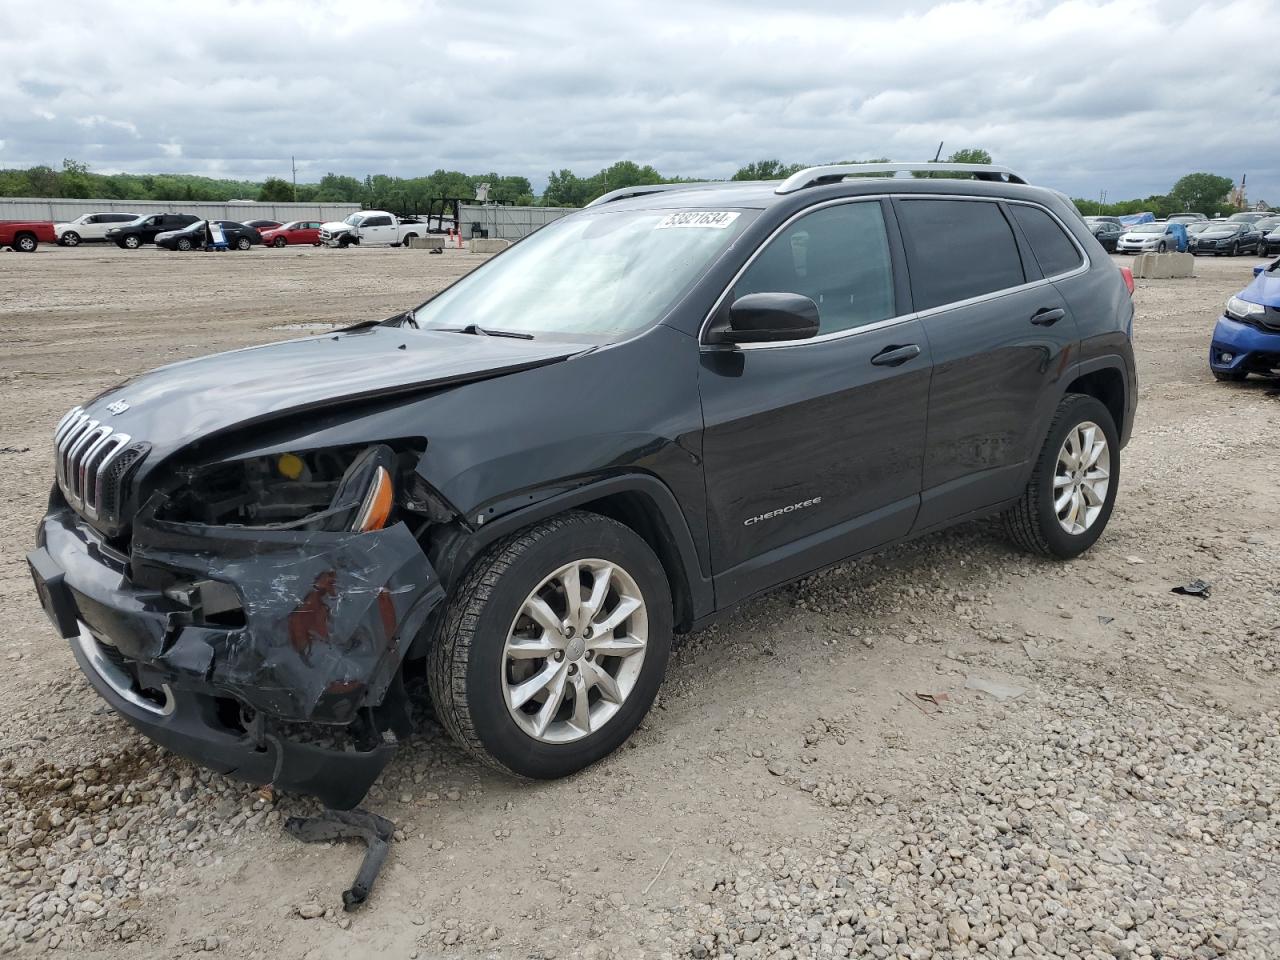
[1083, 95]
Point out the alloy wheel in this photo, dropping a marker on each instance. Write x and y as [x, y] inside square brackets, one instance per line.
[1081, 478]
[574, 651]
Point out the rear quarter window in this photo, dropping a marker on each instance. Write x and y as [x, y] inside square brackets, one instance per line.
[1050, 244]
[958, 249]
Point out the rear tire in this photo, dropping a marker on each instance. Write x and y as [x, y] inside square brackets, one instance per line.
[475, 679]
[243, 243]
[25, 243]
[1035, 522]
[407, 237]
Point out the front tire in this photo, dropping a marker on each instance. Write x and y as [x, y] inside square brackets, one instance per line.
[1161, 248]
[70, 239]
[279, 242]
[184, 244]
[553, 647]
[1072, 489]
[131, 243]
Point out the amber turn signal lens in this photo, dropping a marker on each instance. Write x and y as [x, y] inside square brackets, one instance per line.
[377, 503]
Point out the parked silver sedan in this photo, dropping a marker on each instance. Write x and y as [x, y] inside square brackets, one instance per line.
[1150, 238]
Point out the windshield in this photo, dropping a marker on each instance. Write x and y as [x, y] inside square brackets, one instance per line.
[1198, 227]
[594, 276]
[1148, 228]
[353, 219]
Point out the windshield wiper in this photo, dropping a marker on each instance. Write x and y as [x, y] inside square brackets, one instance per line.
[400, 319]
[479, 331]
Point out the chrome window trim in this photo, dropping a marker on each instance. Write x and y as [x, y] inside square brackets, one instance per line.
[1085, 264]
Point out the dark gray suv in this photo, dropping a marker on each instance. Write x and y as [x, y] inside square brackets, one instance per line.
[641, 415]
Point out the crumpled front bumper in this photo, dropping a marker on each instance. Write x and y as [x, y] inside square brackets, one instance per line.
[324, 623]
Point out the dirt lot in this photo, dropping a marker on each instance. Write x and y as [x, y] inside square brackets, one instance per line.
[790, 795]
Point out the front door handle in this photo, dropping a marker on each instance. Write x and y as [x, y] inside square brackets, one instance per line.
[1048, 317]
[895, 356]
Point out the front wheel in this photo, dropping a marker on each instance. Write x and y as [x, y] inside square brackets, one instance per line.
[1072, 489]
[1235, 250]
[184, 244]
[131, 243]
[279, 242]
[1161, 248]
[554, 646]
[70, 239]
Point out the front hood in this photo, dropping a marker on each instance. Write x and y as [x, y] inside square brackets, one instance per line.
[1214, 235]
[334, 226]
[174, 405]
[1265, 290]
[168, 234]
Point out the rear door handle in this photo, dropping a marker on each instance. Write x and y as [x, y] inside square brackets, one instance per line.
[1048, 317]
[895, 356]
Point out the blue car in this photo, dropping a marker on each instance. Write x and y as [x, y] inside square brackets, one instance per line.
[1247, 337]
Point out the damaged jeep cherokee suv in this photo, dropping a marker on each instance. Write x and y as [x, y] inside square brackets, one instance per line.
[646, 412]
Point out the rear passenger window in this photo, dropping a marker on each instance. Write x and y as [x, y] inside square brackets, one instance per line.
[957, 249]
[1053, 249]
[838, 257]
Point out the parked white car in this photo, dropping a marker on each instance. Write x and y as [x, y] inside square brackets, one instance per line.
[1155, 237]
[90, 228]
[371, 228]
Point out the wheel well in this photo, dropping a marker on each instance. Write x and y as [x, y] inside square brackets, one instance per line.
[638, 512]
[1106, 385]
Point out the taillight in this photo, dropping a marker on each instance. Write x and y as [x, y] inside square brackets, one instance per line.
[1128, 279]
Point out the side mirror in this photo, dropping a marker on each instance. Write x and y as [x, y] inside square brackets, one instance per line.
[766, 317]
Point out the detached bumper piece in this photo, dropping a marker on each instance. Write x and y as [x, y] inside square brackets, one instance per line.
[217, 642]
[377, 832]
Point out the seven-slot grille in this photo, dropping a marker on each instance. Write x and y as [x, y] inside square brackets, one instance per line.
[92, 460]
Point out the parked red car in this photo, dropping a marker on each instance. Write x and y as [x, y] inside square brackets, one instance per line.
[25, 235]
[299, 231]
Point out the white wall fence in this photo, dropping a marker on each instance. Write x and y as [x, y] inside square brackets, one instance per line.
[509, 223]
[62, 210]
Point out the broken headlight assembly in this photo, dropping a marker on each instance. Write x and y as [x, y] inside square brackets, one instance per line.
[331, 490]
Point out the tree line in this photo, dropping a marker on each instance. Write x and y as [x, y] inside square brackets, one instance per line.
[1199, 192]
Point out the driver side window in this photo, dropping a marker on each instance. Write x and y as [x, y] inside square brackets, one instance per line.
[838, 257]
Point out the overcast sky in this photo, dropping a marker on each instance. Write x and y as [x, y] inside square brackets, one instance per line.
[1084, 96]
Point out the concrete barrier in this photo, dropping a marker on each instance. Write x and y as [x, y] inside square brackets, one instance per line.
[426, 243]
[488, 245]
[1164, 266]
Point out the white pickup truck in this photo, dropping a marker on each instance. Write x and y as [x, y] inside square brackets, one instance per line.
[371, 228]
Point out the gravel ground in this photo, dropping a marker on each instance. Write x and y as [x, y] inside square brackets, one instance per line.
[947, 750]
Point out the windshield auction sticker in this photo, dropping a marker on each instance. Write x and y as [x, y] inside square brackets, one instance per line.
[707, 219]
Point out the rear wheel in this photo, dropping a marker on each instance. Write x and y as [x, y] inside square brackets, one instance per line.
[1072, 489]
[553, 647]
[70, 239]
[25, 243]
[407, 237]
